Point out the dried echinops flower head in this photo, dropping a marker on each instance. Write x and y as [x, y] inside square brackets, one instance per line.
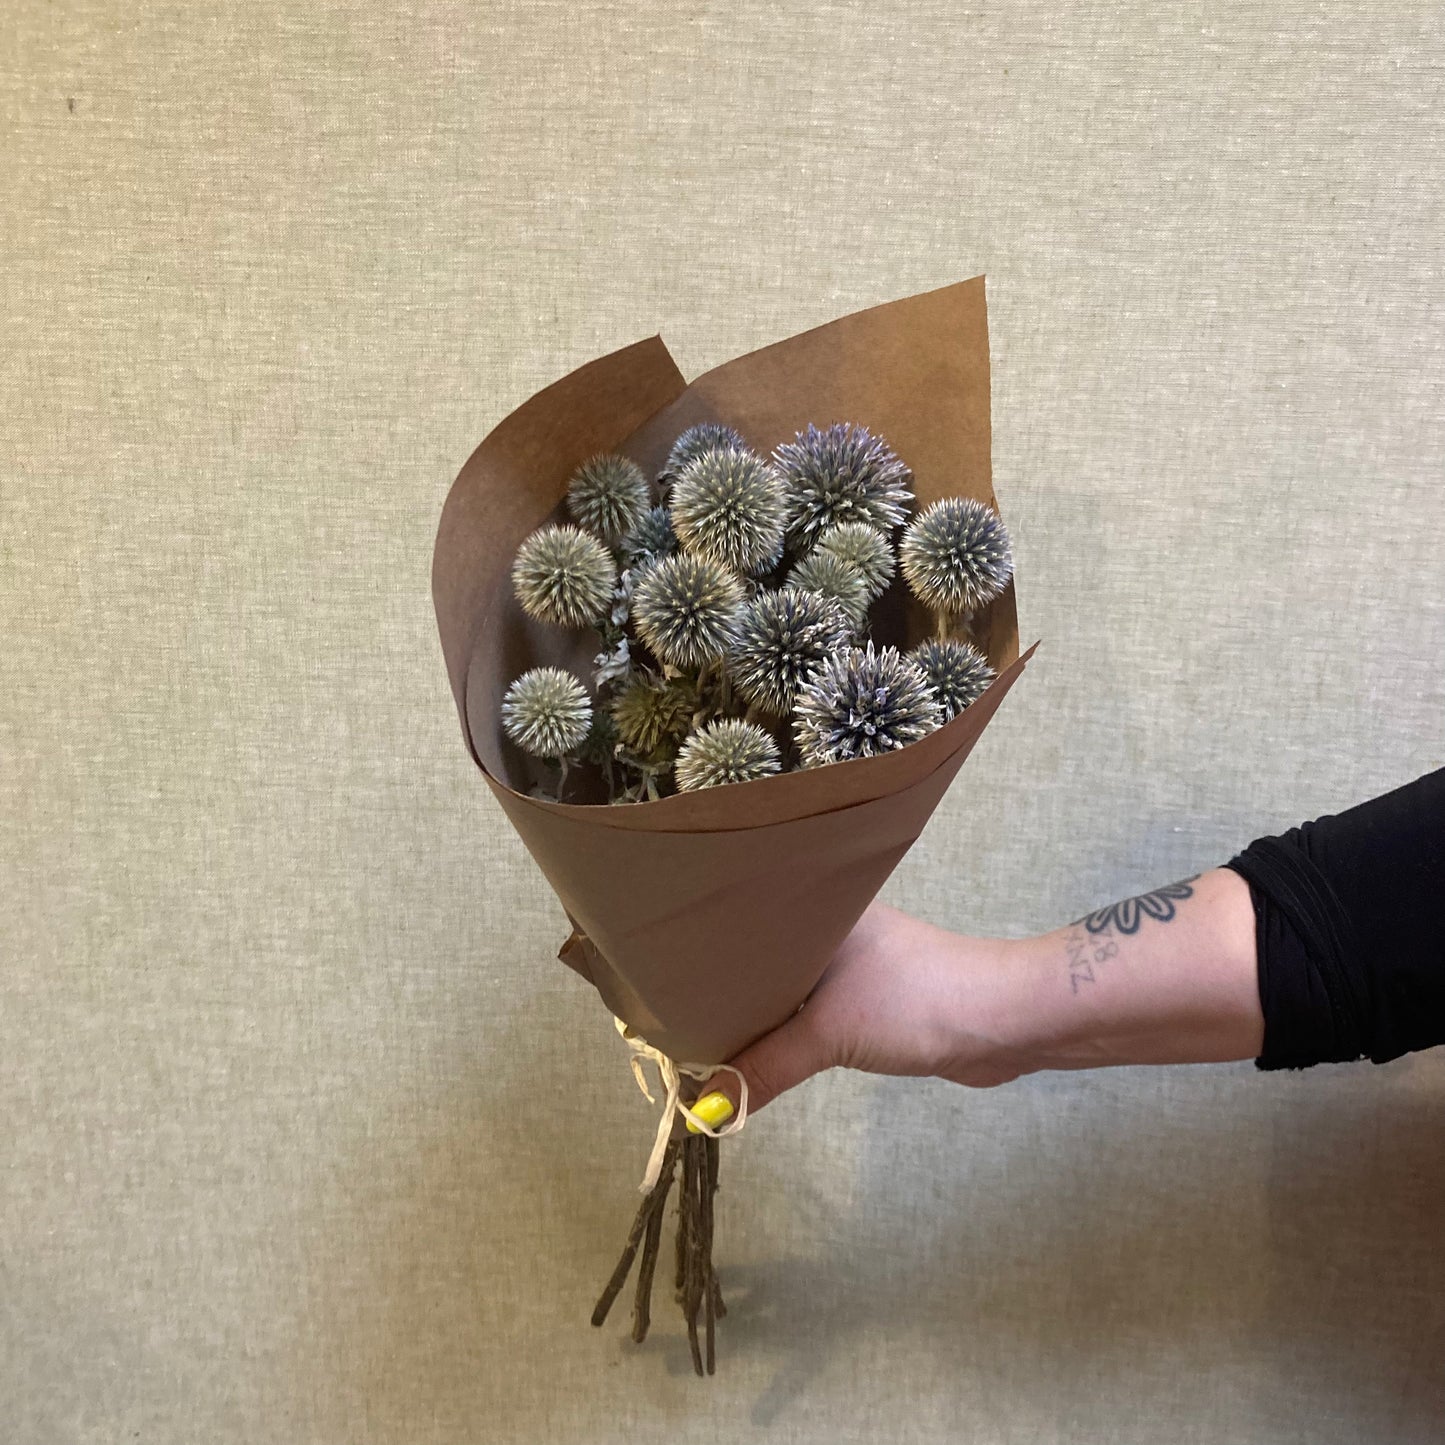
[696, 441]
[686, 608]
[832, 577]
[861, 703]
[653, 714]
[956, 556]
[843, 474]
[958, 671]
[731, 506]
[781, 637]
[608, 495]
[650, 539]
[547, 713]
[727, 751]
[564, 576]
[865, 548]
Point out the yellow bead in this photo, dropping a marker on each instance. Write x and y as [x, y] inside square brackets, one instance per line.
[713, 1109]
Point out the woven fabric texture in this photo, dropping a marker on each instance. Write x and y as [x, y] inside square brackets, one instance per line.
[291, 1143]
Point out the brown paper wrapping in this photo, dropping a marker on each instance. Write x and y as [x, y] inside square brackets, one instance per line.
[705, 919]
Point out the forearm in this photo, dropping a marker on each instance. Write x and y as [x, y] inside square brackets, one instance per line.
[1339, 926]
[1166, 978]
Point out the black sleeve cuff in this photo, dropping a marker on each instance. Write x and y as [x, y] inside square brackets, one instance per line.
[1311, 1012]
[1350, 930]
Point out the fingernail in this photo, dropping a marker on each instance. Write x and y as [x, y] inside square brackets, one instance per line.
[712, 1109]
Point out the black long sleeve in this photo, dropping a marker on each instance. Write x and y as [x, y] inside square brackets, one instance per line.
[1350, 930]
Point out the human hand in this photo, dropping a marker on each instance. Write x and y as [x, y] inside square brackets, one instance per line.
[1178, 985]
[899, 997]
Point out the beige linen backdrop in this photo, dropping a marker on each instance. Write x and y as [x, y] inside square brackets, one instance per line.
[289, 1144]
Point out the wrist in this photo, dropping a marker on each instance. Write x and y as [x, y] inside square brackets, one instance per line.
[1006, 1021]
[1055, 1028]
[1181, 990]
[1040, 1025]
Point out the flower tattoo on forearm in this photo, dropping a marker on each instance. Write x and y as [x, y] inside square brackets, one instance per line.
[1127, 914]
[1094, 939]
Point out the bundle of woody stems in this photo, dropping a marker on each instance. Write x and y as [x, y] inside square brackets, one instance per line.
[731, 595]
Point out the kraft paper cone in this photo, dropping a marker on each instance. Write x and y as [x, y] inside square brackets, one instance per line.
[705, 919]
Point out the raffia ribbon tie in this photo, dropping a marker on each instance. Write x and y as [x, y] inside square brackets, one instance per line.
[671, 1075]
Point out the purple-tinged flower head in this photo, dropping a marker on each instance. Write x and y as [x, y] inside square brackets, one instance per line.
[608, 495]
[862, 703]
[652, 538]
[564, 576]
[686, 609]
[958, 672]
[727, 751]
[843, 474]
[697, 441]
[865, 548]
[830, 576]
[781, 637]
[730, 506]
[956, 556]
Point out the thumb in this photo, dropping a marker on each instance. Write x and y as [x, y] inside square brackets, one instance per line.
[775, 1063]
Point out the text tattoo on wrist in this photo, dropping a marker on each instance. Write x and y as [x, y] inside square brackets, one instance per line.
[1084, 953]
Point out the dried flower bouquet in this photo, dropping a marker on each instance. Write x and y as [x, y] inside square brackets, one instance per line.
[775, 645]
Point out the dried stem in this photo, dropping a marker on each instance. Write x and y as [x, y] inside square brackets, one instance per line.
[692, 1265]
[624, 1264]
[642, 1305]
[714, 1160]
[708, 1187]
[696, 1281]
[652, 1203]
[684, 1222]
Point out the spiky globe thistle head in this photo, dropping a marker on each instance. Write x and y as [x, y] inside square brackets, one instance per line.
[608, 495]
[697, 441]
[564, 575]
[861, 703]
[650, 539]
[843, 474]
[546, 712]
[829, 575]
[600, 744]
[728, 751]
[956, 556]
[958, 672]
[731, 506]
[686, 608]
[652, 714]
[781, 637]
[865, 548]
